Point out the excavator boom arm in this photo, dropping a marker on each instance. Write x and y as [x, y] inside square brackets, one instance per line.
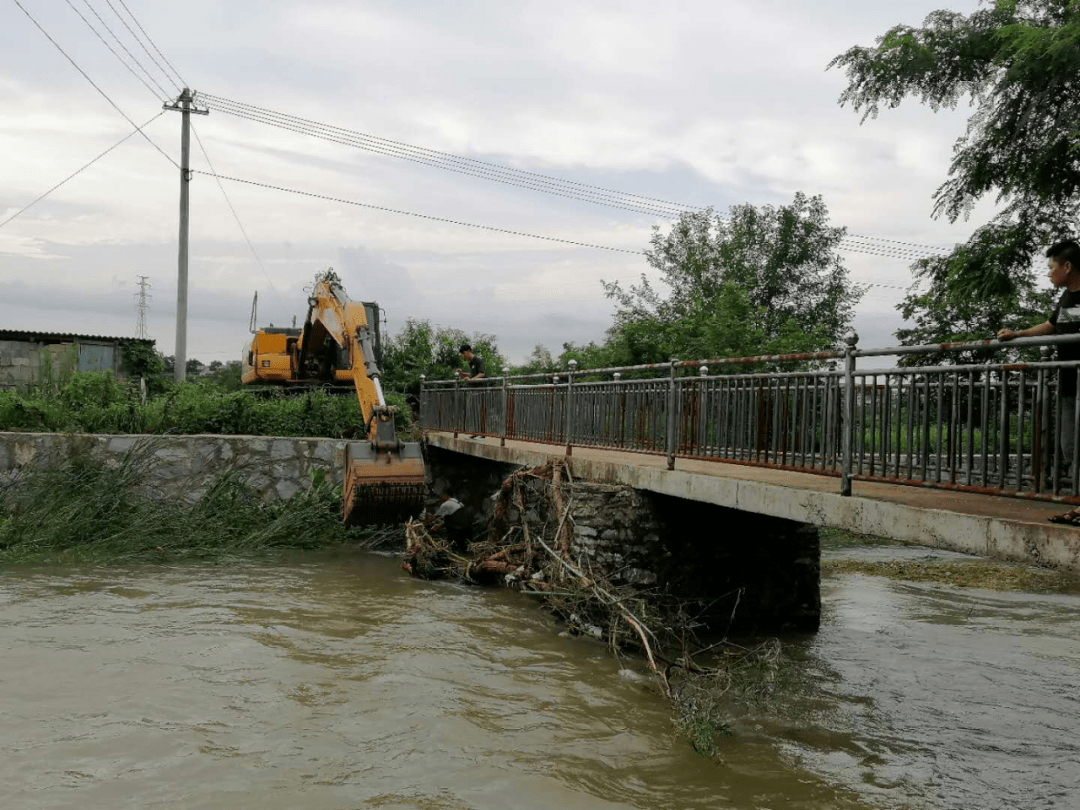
[384, 477]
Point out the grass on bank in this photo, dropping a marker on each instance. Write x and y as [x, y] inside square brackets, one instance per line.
[81, 510]
[95, 402]
[976, 572]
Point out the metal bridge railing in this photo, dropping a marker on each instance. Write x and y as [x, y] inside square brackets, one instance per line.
[992, 427]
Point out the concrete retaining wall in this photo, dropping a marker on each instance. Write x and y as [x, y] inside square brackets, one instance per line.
[181, 466]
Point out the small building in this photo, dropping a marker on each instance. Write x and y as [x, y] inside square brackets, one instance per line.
[29, 357]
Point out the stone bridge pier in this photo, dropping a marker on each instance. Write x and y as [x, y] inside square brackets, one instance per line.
[747, 573]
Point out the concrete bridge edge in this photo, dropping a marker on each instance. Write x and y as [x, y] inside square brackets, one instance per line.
[1016, 541]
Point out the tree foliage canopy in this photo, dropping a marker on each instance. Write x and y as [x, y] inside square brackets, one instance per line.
[420, 348]
[763, 280]
[1018, 63]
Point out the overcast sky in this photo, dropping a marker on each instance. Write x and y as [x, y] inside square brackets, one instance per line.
[701, 103]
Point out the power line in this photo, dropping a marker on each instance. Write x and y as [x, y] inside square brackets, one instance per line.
[135, 36]
[236, 216]
[420, 151]
[344, 140]
[597, 195]
[110, 47]
[422, 216]
[459, 222]
[102, 92]
[883, 250]
[896, 242]
[149, 75]
[77, 171]
[167, 62]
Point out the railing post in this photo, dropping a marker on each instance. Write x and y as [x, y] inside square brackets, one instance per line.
[568, 414]
[672, 421]
[506, 407]
[459, 407]
[849, 413]
[423, 397]
[620, 408]
[551, 428]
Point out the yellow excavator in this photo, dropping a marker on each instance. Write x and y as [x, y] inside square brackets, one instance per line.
[338, 344]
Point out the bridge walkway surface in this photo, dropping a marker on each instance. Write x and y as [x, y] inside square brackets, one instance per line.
[995, 526]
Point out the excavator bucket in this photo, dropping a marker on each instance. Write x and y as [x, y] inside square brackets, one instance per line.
[383, 486]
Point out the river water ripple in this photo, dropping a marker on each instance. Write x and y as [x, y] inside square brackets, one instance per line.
[330, 682]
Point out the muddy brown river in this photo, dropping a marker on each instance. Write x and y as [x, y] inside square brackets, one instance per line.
[339, 682]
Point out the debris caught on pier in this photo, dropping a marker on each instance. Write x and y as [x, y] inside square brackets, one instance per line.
[522, 550]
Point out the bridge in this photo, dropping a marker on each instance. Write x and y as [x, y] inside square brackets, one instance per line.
[959, 455]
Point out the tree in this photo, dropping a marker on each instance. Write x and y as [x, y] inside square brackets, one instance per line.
[194, 366]
[762, 281]
[539, 362]
[420, 348]
[1018, 62]
[226, 376]
[946, 311]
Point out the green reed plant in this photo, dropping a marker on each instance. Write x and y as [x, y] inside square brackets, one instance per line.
[81, 510]
[95, 402]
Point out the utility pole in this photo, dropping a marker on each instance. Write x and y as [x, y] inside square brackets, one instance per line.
[143, 299]
[184, 105]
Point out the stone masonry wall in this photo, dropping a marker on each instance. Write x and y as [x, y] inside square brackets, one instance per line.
[182, 466]
[746, 573]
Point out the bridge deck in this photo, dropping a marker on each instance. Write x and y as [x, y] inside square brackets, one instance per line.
[1009, 528]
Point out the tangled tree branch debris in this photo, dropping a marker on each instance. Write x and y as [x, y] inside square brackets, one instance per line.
[540, 560]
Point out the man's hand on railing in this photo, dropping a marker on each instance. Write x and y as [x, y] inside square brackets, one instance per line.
[1041, 330]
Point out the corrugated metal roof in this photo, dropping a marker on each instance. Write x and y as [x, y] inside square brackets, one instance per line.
[65, 337]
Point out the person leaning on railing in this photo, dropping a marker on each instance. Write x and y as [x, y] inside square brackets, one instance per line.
[476, 372]
[476, 364]
[1064, 262]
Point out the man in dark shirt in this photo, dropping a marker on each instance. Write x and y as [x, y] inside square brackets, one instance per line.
[476, 372]
[476, 364]
[1064, 263]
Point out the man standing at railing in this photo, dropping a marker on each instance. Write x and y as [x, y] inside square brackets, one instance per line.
[476, 364]
[476, 372]
[1064, 263]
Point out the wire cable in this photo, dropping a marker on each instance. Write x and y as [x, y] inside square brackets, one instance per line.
[102, 92]
[167, 62]
[348, 140]
[449, 156]
[237, 217]
[149, 75]
[135, 36]
[885, 250]
[114, 53]
[465, 224]
[875, 246]
[422, 154]
[77, 171]
[421, 216]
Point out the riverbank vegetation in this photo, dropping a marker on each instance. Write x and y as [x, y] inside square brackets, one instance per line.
[967, 572]
[95, 402]
[79, 510]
